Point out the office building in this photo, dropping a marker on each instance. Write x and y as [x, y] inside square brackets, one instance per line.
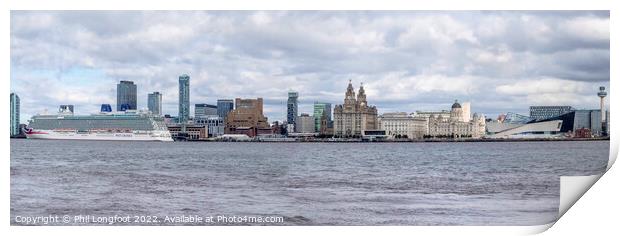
[305, 124]
[154, 103]
[204, 110]
[291, 107]
[322, 111]
[546, 112]
[224, 106]
[187, 132]
[354, 117]
[126, 96]
[587, 119]
[215, 124]
[15, 106]
[184, 98]
[397, 125]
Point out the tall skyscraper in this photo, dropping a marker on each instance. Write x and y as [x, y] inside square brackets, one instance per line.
[14, 114]
[320, 109]
[291, 107]
[183, 98]
[224, 106]
[126, 96]
[154, 103]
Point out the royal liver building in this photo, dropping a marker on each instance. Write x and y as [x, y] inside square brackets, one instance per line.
[354, 117]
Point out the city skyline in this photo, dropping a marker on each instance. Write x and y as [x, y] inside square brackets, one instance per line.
[423, 64]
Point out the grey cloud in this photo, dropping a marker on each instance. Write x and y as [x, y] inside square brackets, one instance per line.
[249, 54]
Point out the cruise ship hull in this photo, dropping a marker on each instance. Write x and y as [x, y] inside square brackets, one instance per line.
[48, 134]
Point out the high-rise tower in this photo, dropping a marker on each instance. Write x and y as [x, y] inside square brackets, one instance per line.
[291, 107]
[183, 98]
[602, 94]
[14, 114]
[154, 103]
[126, 96]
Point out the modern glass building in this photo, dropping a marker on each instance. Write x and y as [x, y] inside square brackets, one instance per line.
[154, 103]
[578, 119]
[126, 96]
[291, 107]
[204, 110]
[183, 98]
[546, 112]
[14, 114]
[224, 106]
[321, 108]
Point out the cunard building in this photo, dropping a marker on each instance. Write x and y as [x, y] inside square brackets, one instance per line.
[354, 117]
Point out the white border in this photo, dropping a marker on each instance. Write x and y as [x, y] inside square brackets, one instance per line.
[591, 200]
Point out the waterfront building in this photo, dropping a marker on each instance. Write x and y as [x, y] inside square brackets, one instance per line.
[572, 121]
[322, 109]
[215, 124]
[583, 119]
[353, 117]
[397, 125]
[291, 107]
[184, 98]
[278, 129]
[126, 96]
[15, 113]
[187, 132]
[224, 106]
[154, 103]
[247, 118]
[204, 110]
[546, 112]
[290, 128]
[65, 108]
[304, 124]
[455, 125]
[536, 129]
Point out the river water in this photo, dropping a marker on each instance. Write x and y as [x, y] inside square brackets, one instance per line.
[474, 183]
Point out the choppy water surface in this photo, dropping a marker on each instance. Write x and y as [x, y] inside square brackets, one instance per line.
[304, 183]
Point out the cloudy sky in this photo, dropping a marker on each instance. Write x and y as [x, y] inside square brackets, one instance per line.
[410, 60]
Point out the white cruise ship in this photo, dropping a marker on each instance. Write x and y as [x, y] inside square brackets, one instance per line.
[124, 126]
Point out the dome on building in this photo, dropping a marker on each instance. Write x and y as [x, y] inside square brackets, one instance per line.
[456, 104]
